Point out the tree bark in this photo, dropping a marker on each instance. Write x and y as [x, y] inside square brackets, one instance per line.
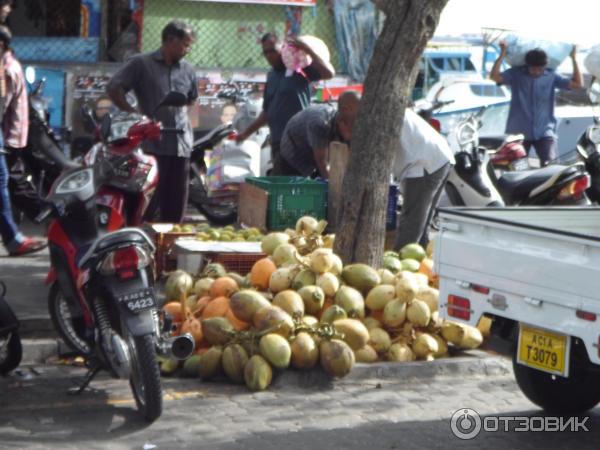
[408, 26]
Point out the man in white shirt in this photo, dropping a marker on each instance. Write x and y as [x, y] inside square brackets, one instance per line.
[422, 166]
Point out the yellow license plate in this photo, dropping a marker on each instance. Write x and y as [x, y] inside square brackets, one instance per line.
[544, 350]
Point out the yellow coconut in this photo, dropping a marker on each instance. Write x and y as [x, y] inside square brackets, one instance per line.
[380, 340]
[305, 352]
[281, 279]
[387, 277]
[291, 302]
[338, 265]
[202, 286]
[276, 350]
[337, 358]
[430, 296]
[304, 278]
[354, 333]
[329, 283]
[284, 254]
[379, 296]
[245, 303]
[273, 240]
[258, 373]
[321, 260]
[418, 313]
[307, 225]
[394, 314]
[442, 346]
[425, 346]
[406, 288]
[366, 354]
[274, 319]
[178, 283]
[313, 298]
[400, 352]
[371, 322]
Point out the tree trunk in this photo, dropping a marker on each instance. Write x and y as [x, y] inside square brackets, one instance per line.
[408, 26]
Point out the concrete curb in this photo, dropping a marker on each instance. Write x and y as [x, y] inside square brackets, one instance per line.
[473, 363]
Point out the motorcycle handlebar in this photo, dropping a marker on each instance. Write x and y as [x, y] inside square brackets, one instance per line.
[172, 130]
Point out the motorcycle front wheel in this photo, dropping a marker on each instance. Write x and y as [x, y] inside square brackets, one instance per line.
[145, 377]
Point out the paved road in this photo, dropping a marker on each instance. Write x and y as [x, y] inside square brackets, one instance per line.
[372, 414]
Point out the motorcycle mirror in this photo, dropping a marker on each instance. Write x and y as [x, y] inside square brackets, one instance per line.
[30, 74]
[581, 151]
[594, 91]
[89, 124]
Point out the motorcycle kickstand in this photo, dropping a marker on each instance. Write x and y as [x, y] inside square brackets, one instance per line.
[89, 376]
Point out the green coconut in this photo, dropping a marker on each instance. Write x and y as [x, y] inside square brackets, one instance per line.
[411, 265]
[214, 270]
[274, 319]
[333, 313]
[202, 286]
[305, 352]
[217, 330]
[245, 303]
[304, 278]
[273, 240]
[337, 358]
[351, 300]
[361, 277]
[167, 366]
[178, 283]
[191, 365]
[234, 361]
[276, 350]
[209, 365]
[413, 251]
[371, 322]
[313, 298]
[258, 373]
[354, 333]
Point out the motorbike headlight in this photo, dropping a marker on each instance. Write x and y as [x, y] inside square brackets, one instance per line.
[76, 181]
[466, 134]
[594, 134]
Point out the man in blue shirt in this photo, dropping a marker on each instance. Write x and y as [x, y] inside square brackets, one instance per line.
[532, 102]
[286, 92]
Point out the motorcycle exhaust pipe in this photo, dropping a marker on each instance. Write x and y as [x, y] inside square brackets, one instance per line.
[180, 347]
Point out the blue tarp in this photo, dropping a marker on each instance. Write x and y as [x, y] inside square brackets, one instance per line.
[357, 25]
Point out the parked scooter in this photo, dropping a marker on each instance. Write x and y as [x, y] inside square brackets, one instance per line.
[11, 350]
[102, 300]
[34, 168]
[238, 160]
[471, 183]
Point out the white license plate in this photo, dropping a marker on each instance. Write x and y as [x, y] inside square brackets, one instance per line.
[138, 301]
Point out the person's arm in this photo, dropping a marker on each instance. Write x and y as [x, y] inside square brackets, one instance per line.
[121, 83]
[495, 74]
[576, 80]
[260, 122]
[325, 70]
[320, 155]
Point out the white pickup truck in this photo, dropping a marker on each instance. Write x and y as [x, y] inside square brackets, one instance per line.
[536, 273]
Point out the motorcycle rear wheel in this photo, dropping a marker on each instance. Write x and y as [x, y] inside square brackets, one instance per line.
[145, 377]
[69, 329]
[225, 214]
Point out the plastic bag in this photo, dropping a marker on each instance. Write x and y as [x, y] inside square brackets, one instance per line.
[518, 46]
[592, 61]
[296, 60]
[231, 163]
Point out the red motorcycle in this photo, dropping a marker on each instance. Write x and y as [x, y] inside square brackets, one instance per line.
[102, 300]
[131, 189]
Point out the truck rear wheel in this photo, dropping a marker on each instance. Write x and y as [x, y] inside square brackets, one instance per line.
[576, 394]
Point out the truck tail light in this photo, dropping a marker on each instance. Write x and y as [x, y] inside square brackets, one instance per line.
[459, 307]
[585, 315]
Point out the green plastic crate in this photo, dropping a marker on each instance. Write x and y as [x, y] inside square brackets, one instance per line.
[291, 198]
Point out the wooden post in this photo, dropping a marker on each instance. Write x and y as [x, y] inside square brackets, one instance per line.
[339, 154]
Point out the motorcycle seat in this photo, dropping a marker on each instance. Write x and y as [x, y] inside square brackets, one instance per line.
[112, 240]
[517, 186]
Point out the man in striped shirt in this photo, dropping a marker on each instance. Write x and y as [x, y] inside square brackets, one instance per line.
[307, 136]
